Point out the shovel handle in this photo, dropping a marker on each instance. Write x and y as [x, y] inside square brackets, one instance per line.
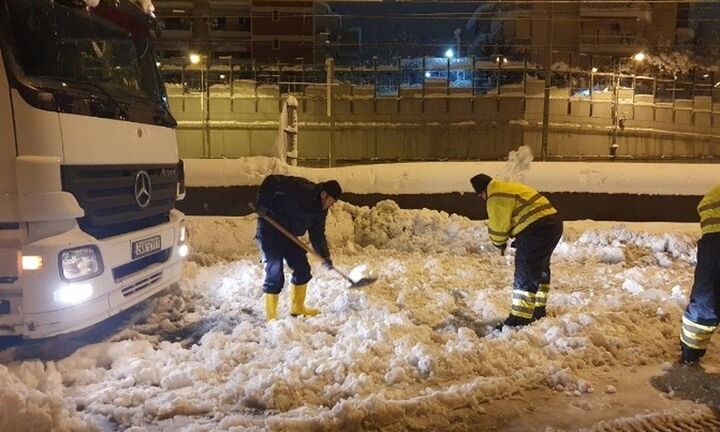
[296, 240]
[286, 233]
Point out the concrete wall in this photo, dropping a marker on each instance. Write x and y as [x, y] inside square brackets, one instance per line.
[435, 124]
[232, 201]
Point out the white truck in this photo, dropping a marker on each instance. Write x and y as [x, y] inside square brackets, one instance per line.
[89, 168]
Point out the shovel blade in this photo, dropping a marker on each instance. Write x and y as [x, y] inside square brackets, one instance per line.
[362, 282]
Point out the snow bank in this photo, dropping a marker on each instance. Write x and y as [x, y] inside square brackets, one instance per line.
[352, 229]
[415, 350]
[441, 177]
[32, 400]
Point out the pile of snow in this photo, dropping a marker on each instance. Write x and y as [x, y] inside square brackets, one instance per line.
[415, 350]
[352, 229]
[32, 399]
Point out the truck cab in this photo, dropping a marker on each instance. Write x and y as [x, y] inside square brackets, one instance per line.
[89, 168]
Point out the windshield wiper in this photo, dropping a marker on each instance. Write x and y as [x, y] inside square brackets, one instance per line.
[122, 112]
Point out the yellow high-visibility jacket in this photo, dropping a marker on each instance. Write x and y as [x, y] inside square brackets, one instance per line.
[709, 211]
[511, 207]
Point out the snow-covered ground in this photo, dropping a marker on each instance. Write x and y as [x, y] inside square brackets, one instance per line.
[414, 351]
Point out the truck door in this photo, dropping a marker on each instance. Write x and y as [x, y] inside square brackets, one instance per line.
[10, 291]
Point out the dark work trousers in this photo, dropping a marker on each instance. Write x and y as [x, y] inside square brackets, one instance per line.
[275, 248]
[704, 306]
[533, 248]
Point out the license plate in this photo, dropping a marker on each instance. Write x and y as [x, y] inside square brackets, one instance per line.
[145, 246]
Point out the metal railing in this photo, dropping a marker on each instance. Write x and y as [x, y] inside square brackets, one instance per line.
[478, 76]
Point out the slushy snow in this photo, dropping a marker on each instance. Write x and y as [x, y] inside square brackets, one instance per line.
[415, 350]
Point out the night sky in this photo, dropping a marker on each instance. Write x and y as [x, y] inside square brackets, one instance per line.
[401, 35]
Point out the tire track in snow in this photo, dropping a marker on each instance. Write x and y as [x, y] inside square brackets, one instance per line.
[699, 421]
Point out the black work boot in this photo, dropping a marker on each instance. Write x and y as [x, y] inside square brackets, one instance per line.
[690, 356]
[538, 313]
[513, 321]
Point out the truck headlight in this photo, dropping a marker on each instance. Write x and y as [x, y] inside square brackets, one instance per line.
[73, 293]
[80, 263]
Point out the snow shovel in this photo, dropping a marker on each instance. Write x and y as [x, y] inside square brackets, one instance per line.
[353, 283]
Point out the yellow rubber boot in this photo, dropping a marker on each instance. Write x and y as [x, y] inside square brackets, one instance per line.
[297, 302]
[271, 305]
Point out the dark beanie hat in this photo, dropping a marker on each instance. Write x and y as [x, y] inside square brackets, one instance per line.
[332, 187]
[480, 182]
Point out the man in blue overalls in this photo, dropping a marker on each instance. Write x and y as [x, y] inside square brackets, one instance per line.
[300, 206]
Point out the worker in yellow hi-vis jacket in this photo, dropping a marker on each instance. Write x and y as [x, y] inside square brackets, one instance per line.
[702, 315]
[519, 211]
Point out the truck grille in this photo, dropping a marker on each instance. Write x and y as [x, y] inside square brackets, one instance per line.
[107, 194]
[141, 284]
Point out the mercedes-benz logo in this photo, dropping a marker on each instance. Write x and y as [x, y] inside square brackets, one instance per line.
[143, 189]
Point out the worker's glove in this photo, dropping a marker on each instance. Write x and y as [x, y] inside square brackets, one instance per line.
[502, 249]
[327, 264]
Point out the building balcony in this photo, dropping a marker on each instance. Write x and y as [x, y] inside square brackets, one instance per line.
[612, 44]
[173, 8]
[637, 10]
[175, 34]
[230, 34]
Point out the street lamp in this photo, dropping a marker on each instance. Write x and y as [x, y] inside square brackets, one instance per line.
[639, 57]
[449, 53]
[195, 59]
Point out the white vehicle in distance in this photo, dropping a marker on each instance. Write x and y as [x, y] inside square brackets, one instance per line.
[89, 168]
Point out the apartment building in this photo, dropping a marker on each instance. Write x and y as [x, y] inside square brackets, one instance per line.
[242, 31]
[583, 32]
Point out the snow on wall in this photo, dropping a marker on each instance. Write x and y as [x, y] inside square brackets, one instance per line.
[146, 5]
[440, 177]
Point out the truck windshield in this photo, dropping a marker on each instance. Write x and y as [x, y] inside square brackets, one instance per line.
[104, 51]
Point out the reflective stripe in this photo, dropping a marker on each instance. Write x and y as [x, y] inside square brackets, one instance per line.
[523, 304]
[524, 297]
[700, 327]
[699, 337]
[696, 335]
[498, 233]
[502, 195]
[522, 312]
[541, 296]
[519, 209]
[710, 221]
[709, 206]
[691, 343]
[538, 209]
[523, 294]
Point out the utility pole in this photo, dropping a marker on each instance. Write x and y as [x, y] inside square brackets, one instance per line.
[457, 33]
[548, 74]
[206, 64]
[330, 78]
